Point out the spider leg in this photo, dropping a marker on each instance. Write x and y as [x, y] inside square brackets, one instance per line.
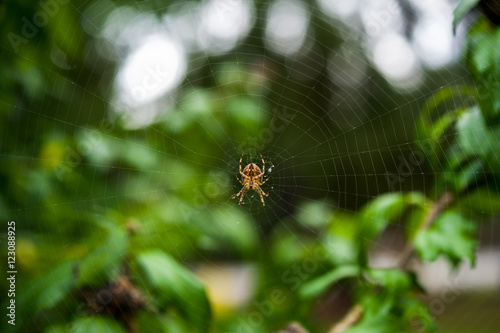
[242, 196]
[265, 180]
[260, 192]
[240, 164]
[239, 180]
[263, 168]
[237, 194]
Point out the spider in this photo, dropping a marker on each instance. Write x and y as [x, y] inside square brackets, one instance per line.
[251, 179]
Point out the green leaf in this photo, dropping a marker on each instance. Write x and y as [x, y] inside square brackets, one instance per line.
[390, 295]
[437, 99]
[176, 285]
[462, 8]
[481, 201]
[231, 226]
[416, 198]
[483, 58]
[56, 286]
[476, 139]
[56, 329]
[340, 241]
[149, 322]
[317, 286]
[226, 229]
[46, 292]
[96, 325]
[314, 214]
[451, 235]
[417, 314]
[480, 52]
[428, 131]
[424, 128]
[104, 263]
[414, 221]
[460, 179]
[378, 212]
[392, 279]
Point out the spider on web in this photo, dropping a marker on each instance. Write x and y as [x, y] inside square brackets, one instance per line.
[251, 179]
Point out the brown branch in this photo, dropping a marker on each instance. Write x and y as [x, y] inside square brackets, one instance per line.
[348, 320]
[444, 200]
[354, 314]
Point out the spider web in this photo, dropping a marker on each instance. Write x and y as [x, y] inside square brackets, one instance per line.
[331, 133]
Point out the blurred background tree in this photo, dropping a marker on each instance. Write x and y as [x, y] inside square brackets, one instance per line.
[122, 124]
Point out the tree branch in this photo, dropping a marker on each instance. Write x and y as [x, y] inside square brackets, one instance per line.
[354, 314]
[444, 200]
[348, 320]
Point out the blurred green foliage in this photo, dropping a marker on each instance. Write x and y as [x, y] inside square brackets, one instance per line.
[97, 205]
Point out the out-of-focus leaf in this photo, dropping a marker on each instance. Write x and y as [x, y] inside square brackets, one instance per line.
[233, 227]
[451, 235]
[414, 221]
[148, 322]
[139, 155]
[483, 57]
[96, 325]
[481, 52]
[317, 286]
[174, 325]
[460, 179]
[394, 280]
[341, 250]
[391, 293]
[426, 128]
[429, 131]
[455, 158]
[314, 214]
[482, 202]
[378, 212]
[340, 241]
[288, 248]
[415, 198]
[476, 139]
[386, 288]
[104, 263]
[462, 8]
[417, 314]
[46, 292]
[174, 284]
[246, 115]
[56, 329]
[226, 228]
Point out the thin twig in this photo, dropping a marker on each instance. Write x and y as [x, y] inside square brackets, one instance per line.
[348, 320]
[354, 314]
[444, 200]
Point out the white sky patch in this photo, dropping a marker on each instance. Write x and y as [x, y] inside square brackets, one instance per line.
[396, 61]
[223, 24]
[125, 26]
[286, 27]
[339, 8]
[433, 42]
[381, 16]
[181, 21]
[150, 72]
